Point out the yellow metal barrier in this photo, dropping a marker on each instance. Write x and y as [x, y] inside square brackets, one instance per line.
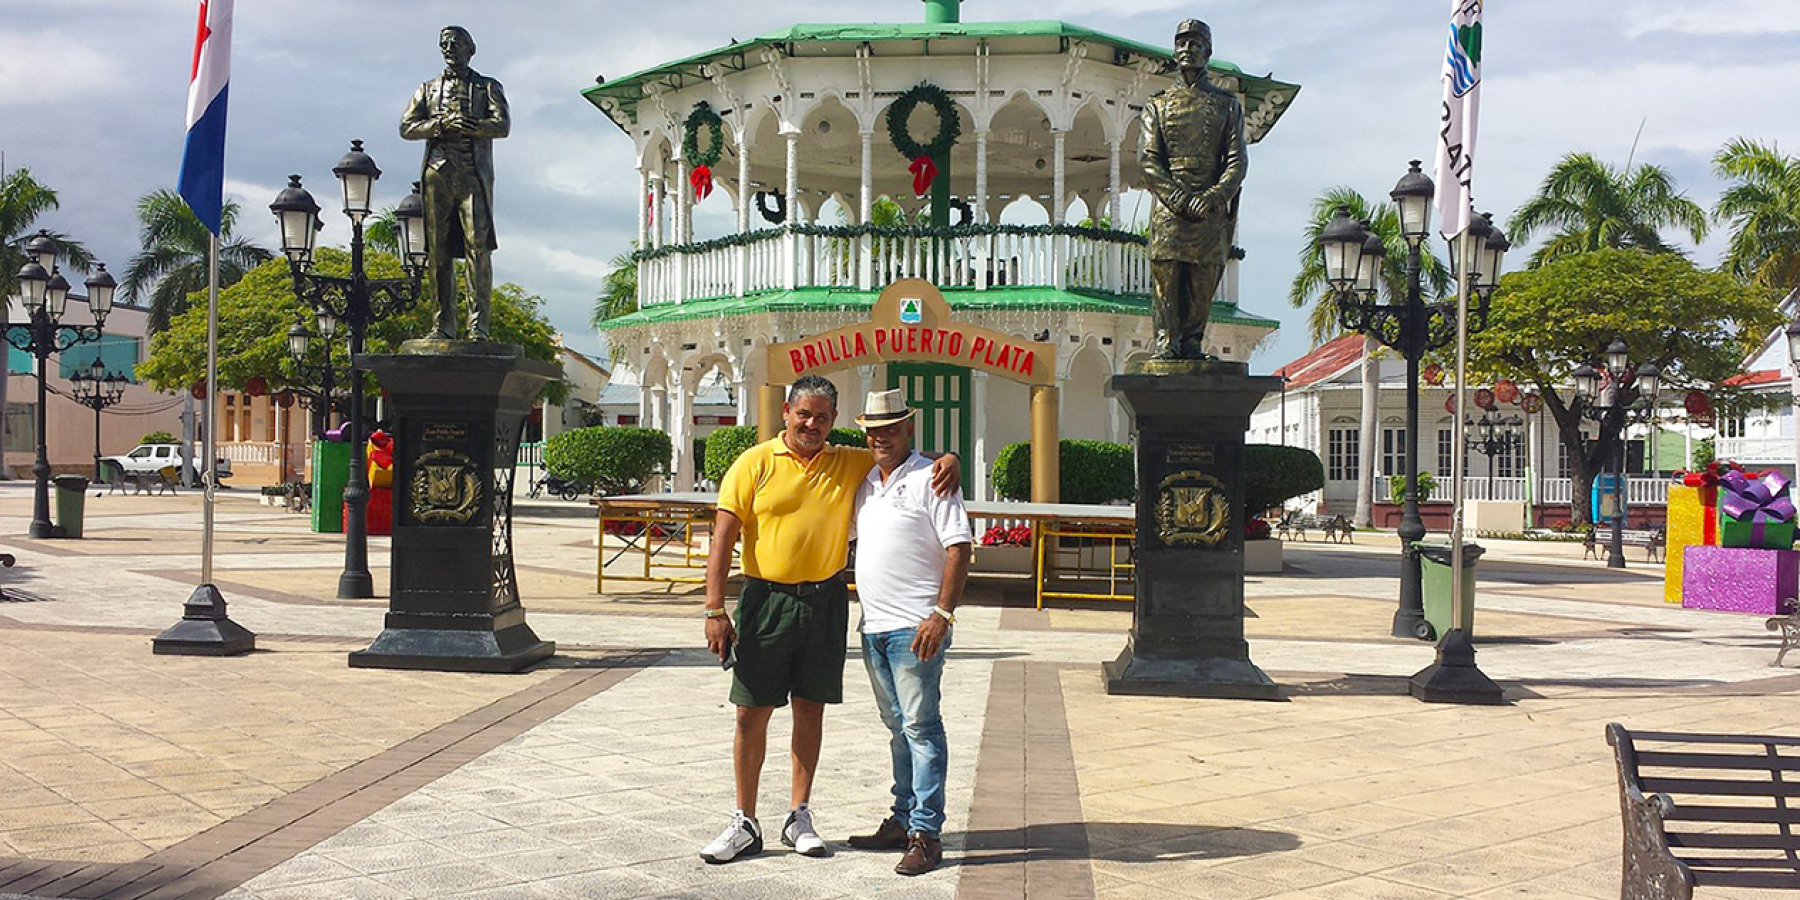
[663, 525]
[1048, 567]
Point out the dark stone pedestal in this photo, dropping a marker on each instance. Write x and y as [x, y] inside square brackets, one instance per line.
[457, 416]
[1187, 628]
[1453, 678]
[205, 629]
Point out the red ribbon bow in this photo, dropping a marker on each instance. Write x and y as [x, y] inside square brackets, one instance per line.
[701, 179]
[923, 171]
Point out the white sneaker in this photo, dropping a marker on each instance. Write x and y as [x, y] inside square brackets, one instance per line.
[743, 837]
[798, 833]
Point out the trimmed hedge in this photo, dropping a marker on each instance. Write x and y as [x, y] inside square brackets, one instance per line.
[1092, 472]
[1274, 474]
[615, 460]
[725, 445]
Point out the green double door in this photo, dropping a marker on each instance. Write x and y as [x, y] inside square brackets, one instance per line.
[946, 407]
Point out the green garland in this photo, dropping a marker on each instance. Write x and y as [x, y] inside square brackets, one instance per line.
[949, 126]
[703, 115]
[889, 231]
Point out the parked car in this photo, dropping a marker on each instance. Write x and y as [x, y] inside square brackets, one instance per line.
[147, 459]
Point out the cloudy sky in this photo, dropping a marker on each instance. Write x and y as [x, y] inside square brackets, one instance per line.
[92, 95]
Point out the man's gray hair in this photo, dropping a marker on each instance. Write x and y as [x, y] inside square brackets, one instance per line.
[813, 384]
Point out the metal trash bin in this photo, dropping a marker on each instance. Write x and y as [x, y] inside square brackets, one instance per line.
[71, 504]
[1434, 565]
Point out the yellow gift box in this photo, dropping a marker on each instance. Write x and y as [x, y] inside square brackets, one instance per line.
[1693, 522]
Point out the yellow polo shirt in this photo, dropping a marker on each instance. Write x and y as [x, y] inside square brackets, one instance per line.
[796, 512]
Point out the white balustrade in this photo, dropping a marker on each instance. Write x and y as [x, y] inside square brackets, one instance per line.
[250, 452]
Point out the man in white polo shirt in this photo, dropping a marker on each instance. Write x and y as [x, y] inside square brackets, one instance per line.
[912, 556]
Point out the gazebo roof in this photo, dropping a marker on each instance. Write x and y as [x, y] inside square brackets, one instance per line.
[627, 91]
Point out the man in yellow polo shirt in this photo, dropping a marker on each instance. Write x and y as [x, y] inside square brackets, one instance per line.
[791, 499]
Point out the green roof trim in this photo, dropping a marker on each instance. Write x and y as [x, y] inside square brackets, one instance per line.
[961, 299]
[627, 91]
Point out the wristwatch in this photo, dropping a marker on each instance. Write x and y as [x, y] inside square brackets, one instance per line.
[947, 615]
[715, 612]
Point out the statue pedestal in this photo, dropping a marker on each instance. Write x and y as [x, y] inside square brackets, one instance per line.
[457, 417]
[1187, 628]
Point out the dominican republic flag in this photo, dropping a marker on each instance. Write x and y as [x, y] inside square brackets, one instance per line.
[1462, 103]
[202, 182]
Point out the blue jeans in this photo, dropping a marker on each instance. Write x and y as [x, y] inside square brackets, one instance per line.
[907, 692]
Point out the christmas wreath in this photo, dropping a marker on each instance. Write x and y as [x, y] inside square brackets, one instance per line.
[702, 117]
[949, 129]
[774, 216]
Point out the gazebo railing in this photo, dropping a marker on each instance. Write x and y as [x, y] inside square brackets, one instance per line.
[864, 258]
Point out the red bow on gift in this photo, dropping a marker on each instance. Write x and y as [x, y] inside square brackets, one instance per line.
[923, 171]
[701, 179]
[382, 454]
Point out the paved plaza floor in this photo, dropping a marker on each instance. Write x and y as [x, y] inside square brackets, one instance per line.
[286, 774]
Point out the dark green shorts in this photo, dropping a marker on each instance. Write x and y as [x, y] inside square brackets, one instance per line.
[789, 645]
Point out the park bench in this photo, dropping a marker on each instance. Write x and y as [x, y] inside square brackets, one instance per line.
[1651, 539]
[1295, 524]
[1789, 626]
[1706, 810]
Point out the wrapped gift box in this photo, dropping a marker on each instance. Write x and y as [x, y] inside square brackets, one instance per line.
[1755, 510]
[1740, 579]
[1693, 522]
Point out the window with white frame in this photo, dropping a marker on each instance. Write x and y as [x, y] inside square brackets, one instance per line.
[1732, 427]
[1341, 452]
[1511, 464]
[1393, 449]
[1446, 447]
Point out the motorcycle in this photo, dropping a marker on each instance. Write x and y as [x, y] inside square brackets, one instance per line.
[566, 488]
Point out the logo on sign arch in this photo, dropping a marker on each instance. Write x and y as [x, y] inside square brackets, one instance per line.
[912, 311]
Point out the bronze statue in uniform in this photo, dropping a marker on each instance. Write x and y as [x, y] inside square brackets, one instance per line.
[458, 115]
[1193, 161]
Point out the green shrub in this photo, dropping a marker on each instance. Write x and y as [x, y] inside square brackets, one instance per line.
[725, 445]
[159, 437]
[1274, 474]
[616, 460]
[1397, 487]
[1092, 472]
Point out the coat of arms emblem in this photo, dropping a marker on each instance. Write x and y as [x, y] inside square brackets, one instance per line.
[1192, 509]
[446, 489]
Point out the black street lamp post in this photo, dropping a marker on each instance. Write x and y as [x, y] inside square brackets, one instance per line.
[1499, 437]
[1354, 257]
[1610, 392]
[356, 302]
[317, 379]
[97, 389]
[44, 292]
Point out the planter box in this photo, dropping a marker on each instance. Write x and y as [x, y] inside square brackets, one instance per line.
[1262, 557]
[1008, 560]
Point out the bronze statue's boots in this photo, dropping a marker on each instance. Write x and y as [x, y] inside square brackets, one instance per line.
[890, 836]
[924, 852]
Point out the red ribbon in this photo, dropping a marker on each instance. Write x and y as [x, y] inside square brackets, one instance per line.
[923, 171]
[701, 179]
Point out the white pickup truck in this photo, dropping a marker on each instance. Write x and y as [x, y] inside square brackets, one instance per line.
[147, 459]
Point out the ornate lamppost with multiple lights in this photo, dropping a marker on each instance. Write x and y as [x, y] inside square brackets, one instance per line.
[44, 293]
[97, 389]
[1499, 435]
[1354, 257]
[323, 374]
[355, 301]
[1616, 396]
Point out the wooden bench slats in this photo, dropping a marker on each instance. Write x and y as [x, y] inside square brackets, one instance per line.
[1719, 787]
[1647, 758]
[1702, 813]
[1728, 841]
[1777, 880]
[1755, 863]
[1676, 737]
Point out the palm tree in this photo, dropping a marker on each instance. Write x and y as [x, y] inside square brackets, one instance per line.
[382, 232]
[22, 200]
[1309, 289]
[1763, 206]
[1591, 205]
[172, 263]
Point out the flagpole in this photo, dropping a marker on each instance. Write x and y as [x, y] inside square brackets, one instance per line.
[1458, 450]
[207, 440]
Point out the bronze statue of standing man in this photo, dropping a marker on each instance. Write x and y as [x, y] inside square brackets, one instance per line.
[458, 115]
[1194, 162]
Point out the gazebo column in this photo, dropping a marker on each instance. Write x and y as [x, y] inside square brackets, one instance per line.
[865, 210]
[643, 207]
[1115, 253]
[1058, 188]
[681, 434]
[984, 272]
[660, 211]
[743, 191]
[791, 242]
[679, 227]
[658, 405]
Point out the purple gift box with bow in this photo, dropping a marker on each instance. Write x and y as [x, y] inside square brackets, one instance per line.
[1740, 579]
[1755, 510]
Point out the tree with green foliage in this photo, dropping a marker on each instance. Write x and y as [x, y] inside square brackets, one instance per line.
[256, 312]
[1310, 291]
[618, 290]
[1762, 206]
[1696, 326]
[23, 199]
[1590, 205]
[171, 266]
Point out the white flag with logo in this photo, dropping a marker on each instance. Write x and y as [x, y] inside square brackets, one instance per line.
[1462, 103]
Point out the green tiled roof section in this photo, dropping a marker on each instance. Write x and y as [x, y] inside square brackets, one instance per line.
[993, 299]
[629, 89]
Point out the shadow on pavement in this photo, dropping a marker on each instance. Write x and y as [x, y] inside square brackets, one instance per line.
[1129, 842]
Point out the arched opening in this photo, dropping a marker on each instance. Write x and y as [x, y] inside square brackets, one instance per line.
[1086, 410]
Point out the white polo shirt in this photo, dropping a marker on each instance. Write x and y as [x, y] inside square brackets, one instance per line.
[903, 528]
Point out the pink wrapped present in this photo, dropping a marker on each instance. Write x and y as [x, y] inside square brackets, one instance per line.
[1740, 579]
